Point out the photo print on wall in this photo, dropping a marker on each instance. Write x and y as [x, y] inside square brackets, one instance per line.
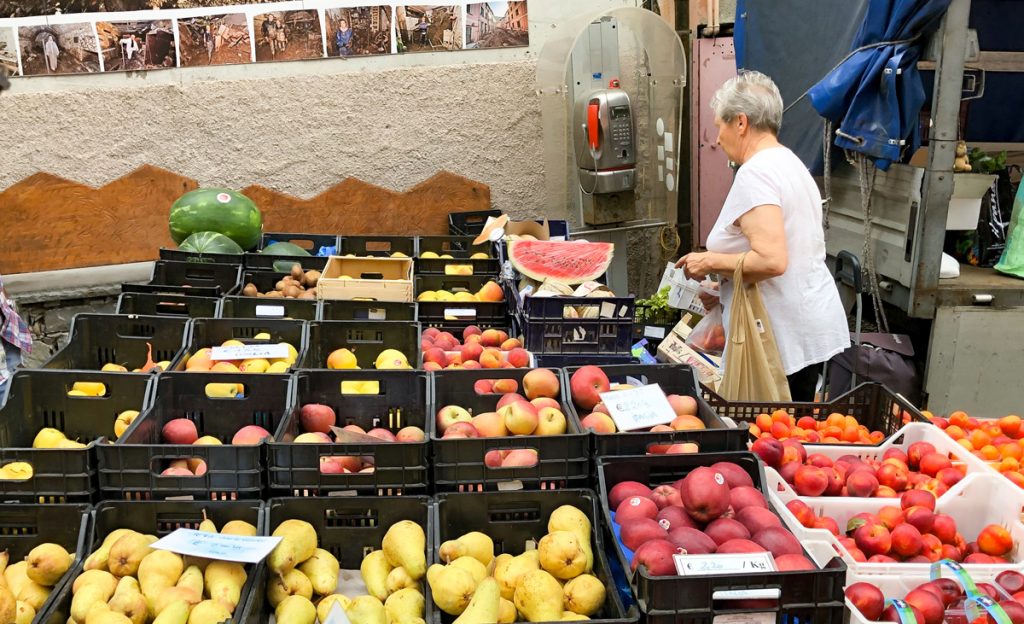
[288, 35]
[214, 40]
[135, 46]
[31, 8]
[9, 50]
[358, 31]
[58, 49]
[429, 27]
[496, 25]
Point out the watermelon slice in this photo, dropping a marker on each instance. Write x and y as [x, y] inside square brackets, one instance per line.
[572, 262]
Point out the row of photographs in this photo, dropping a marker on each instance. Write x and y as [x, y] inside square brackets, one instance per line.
[233, 38]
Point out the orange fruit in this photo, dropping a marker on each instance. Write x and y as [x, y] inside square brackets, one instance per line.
[1015, 477]
[980, 438]
[851, 434]
[754, 430]
[989, 452]
[782, 416]
[876, 437]
[780, 431]
[1010, 426]
[835, 420]
[956, 432]
[764, 421]
[964, 442]
[1011, 450]
[958, 418]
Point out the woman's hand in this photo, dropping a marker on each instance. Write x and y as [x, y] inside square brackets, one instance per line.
[696, 265]
[709, 300]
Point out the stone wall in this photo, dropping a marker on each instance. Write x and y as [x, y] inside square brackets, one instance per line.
[51, 322]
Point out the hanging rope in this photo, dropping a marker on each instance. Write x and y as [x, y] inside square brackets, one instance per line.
[866, 172]
[826, 202]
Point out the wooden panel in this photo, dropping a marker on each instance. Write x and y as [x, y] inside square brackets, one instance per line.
[60, 224]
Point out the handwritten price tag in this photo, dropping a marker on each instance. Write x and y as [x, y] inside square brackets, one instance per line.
[240, 548]
[739, 563]
[640, 408]
[246, 352]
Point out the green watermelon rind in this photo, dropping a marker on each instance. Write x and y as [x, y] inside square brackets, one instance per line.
[202, 210]
[284, 249]
[209, 243]
[540, 260]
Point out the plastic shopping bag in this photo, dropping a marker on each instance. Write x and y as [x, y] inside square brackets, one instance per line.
[709, 334]
[1012, 260]
[753, 366]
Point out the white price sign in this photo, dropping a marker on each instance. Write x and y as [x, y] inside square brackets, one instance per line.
[639, 408]
[270, 310]
[248, 352]
[738, 563]
[460, 312]
[240, 548]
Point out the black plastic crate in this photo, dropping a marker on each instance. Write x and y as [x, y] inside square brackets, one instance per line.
[312, 243]
[694, 594]
[156, 304]
[280, 264]
[25, 526]
[130, 468]
[38, 399]
[460, 248]
[546, 330]
[827, 613]
[673, 379]
[399, 468]
[337, 310]
[654, 324]
[161, 518]
[180, 255]
[366, 339]
[555, 360]
[514, 518]
[99, 339]
[242, 306]
[563, 460]
[479, 313]
[872, 404]
[207, 332]
[378, 245]
[348, 528]
[190, 278]
[469, 223]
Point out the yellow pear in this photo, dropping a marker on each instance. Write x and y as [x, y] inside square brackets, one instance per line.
[398, 579]
[584, 594]
[538, 597]
[569, 616]
[5, 558]
[129, 601]
[98, 559]
[451, 587]
[224, 581]
[48, 437]
[404, 605]
[209, 612]
[174, 613]
[296, 610]
[473, 544]
[507, 613]
[127, 553]
[238, 527]
[471, 565]
[569, 518]
[561, 555]
[375, 570]
[207, 525]
[173, 595]
[509, 575]
[16, 576]
[297, 544]
[501, 559]
[123, 421]
[405, 545]
[86, 597]
[291, 583]
[99, 577]
[279, 367]
[366, 610]
[34, 594]
[10, 608]
[23, 612]
[102, 614]
[192, 578]
[110, 367]
[323, 609]
[485, 605]
[322, 570]
[47, 563]
[159, 571]
[16, 471]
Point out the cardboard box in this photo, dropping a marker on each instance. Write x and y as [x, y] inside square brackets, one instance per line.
[675, 350]
[367, 279]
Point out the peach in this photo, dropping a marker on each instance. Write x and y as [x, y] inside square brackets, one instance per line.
[472, 339]
[917, 451]
[551, 421]
[836, 481]
[891, 517]
[521, 417]
[635, 507]
[354, 429]
[949, 476]
[505, 386]
[827, 523]
[519, 358]
[541, 383]
[931, 547]
[600, 423]
[944, 528]
[921, 517]
[426, 344]
[436, 356]
[788, 471]
[995, 540]
[683, 405]
[491, 338]
[602, 408]
[491, 358]
[446, 342]
[769, 450]
[810, 481]
[627, 489]
[950, 551]
[382, 434]
[797, 447]
[197, 466]
[873, 539]
[867, 599]
[490, 425]
[910, 498]
[461, 429]
[431, 332]
[930, 605]
[348, 463]
[250, 434]
[471, 352]
[803, 514]
[893, 477]
[819, 460]
[687, 423]
[470, 330]
[906, 540]
[451, 414]
[491, 292]
[511, 343]
[587, 384]
[509, 398]
[724, 529]
[180, 431]
[778, 541]
[432, 366]
[410, 434]
[675, 516]
[493, 459]
[520, 458]
[692, 540]
[862, 484]
[317, 417]
[656, 556]
[705, 494]
[175, 471]
[329, 466]
[472, 365]
[932, 463]
[746, 496]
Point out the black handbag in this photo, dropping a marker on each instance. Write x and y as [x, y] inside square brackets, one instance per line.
[883, 358]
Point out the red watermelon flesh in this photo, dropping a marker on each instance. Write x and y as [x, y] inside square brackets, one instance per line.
[572, 262]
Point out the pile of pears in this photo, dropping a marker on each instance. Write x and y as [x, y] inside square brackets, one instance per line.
[126, 581]
[552, 582]
[25, 585]
[299, 571]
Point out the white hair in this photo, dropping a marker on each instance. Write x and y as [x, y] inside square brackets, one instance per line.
[753, 94]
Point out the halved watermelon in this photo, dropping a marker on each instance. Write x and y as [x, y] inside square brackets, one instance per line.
[572, 262]
[210, 242]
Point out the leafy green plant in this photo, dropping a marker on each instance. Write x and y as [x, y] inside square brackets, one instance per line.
[983, 162]
[655, 310]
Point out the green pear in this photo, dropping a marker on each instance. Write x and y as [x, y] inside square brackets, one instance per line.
[366, 610]
[485, 605]
[291, 583]
[224, 581]
[322, 569]
[298, 543]
[451, 587]
[375, 570]
[296, 610]
[538, 597]
[405, 545]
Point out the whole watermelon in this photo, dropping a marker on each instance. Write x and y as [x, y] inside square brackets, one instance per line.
[216, 210]
[210, 242]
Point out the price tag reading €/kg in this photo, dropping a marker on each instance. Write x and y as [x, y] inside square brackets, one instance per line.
[639, 408]
[240, 548]
[732, 563]
[246, 352]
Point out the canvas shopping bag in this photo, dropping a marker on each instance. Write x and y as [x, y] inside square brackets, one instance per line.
[753, 367]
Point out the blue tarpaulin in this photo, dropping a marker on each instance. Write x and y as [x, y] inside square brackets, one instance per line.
[875, 95]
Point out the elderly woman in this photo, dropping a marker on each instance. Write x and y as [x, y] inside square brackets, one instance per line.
[773, 214]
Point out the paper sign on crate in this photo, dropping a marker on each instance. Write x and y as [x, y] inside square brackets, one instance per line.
[240, 548]
[246, 352]
[732, 563]
[270, 310]
[639, 408]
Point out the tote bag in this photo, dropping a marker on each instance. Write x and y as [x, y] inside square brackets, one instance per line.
[753, 367]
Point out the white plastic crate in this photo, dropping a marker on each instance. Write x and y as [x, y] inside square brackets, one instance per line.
[975, 502]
